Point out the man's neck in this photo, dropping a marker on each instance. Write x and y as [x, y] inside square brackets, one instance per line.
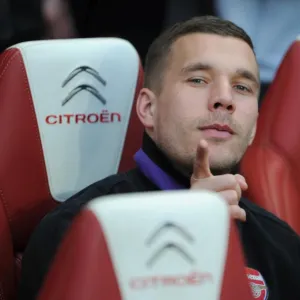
[161, 160]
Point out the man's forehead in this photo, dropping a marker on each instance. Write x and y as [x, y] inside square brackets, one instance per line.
[213, 49]
[207, 41]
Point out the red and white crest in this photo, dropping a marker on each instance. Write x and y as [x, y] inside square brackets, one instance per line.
[257, 283]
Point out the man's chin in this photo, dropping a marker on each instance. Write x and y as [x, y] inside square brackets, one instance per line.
[222, 164]
[218, 142]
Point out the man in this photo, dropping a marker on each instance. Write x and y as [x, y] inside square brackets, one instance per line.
[199, 108]
[22, 21]
[58, 19]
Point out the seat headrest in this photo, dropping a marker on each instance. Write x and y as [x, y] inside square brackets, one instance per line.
[67, 119]
[271, 164]
[150, 246]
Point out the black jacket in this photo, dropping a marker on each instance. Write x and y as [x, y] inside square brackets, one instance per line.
[272, 248]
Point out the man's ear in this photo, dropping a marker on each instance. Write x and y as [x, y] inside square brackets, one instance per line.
[145, 107]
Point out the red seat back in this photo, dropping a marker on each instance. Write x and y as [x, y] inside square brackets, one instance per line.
[7, 264]
[272, 164]
[67, 119]
[150, 246]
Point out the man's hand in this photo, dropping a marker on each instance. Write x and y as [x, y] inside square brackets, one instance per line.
[229, 186]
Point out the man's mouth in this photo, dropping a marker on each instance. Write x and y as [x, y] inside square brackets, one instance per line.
[221, 131]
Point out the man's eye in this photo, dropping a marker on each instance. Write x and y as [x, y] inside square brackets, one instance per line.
[242, 88]
[197, 80]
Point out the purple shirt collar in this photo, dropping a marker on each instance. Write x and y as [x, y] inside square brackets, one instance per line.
[154, 173]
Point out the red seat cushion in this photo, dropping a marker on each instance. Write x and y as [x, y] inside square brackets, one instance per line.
[194, 251]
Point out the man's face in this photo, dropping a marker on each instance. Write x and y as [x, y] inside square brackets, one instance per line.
[209, 91]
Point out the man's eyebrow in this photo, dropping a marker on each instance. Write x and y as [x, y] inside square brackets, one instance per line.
[248, 75]
[244, 73]
[196, 67]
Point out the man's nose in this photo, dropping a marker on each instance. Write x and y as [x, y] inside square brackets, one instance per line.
[221, 97]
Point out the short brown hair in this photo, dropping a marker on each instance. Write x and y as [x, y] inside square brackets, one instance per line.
[158, 51]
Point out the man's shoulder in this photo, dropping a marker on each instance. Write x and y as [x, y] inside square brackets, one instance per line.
[271, 224]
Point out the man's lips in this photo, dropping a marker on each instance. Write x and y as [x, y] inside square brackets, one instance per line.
[217, 131]
[218, 127]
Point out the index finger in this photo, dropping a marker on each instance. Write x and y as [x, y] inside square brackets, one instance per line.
[201, 166]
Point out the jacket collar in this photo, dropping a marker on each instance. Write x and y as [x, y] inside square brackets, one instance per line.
[158, 168]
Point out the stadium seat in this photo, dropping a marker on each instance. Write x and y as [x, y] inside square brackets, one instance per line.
[150, 246]
[272, 163]
[66, 121]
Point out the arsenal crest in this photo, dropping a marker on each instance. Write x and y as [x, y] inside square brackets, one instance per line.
[257, 284]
